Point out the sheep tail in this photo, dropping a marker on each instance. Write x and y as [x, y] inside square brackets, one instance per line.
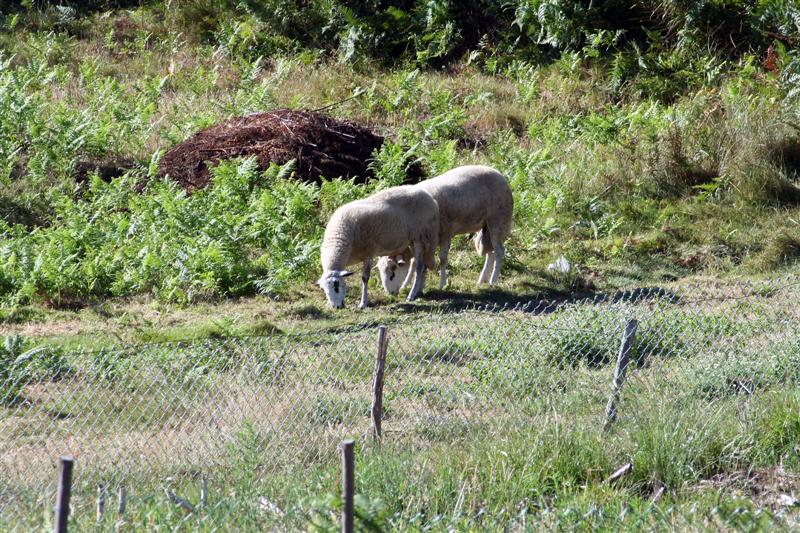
[483, 243]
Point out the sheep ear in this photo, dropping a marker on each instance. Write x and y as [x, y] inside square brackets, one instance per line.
[345, 273]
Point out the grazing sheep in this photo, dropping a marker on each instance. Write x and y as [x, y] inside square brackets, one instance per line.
[396, 270]
[471, 199]
[393, 219]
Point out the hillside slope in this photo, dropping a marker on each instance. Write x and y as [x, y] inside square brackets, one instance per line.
[642, 150]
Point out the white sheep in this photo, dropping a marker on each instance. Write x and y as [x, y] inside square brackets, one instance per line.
[393, 219]
[471, 198]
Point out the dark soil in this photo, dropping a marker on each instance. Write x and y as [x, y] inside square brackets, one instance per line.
[106, 170]
[786, 154]
[320, 145]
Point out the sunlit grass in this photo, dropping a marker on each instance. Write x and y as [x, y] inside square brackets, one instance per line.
[480, 430]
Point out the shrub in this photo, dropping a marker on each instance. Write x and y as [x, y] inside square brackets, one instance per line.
[231, 238]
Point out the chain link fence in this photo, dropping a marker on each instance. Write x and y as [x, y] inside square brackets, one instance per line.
[176, 410]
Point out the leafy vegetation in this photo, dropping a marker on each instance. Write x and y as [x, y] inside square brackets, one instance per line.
[638, 141]
[643, 141]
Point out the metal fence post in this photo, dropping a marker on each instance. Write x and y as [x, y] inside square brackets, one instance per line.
[619, 372]
[64, 489]
[377, 383]
[348, 485]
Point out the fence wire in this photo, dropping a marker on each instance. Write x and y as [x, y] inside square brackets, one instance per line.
[179, 409]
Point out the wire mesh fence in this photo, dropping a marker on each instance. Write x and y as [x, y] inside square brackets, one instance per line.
[147, 415]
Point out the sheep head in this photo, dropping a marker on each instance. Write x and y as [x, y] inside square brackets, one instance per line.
[335, 287]
[393, 270]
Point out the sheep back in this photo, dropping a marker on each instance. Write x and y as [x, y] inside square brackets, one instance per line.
[469, 197]
[380, 224]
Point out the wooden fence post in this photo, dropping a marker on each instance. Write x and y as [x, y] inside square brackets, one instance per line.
[122, 500]
[377, 383]
[619, 372]
[348, 485]
[64, 490]
[203, 491]
[101, 501]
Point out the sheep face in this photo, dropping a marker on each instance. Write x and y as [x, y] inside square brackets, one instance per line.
[335, 287]
[393, 270]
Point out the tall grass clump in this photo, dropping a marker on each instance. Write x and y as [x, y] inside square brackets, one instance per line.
[676, 446]
[775, 429]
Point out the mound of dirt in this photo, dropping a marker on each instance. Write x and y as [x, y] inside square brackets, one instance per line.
[321, 146]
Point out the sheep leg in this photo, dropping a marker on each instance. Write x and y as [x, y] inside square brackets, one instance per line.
[487, 268]
[443, 251]
[410, 275]
[499, 255]
[364, 280]
[419, 279]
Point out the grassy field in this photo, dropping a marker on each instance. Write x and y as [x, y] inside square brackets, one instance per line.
[166, 336]
[491, 420]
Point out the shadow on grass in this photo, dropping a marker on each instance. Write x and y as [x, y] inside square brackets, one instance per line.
[540, 300]
[15, 212]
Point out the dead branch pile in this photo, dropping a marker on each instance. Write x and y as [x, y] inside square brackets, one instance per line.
[320, 145]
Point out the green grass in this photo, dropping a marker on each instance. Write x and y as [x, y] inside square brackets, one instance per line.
[544, 478]
[647, 160]
[483, 428]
